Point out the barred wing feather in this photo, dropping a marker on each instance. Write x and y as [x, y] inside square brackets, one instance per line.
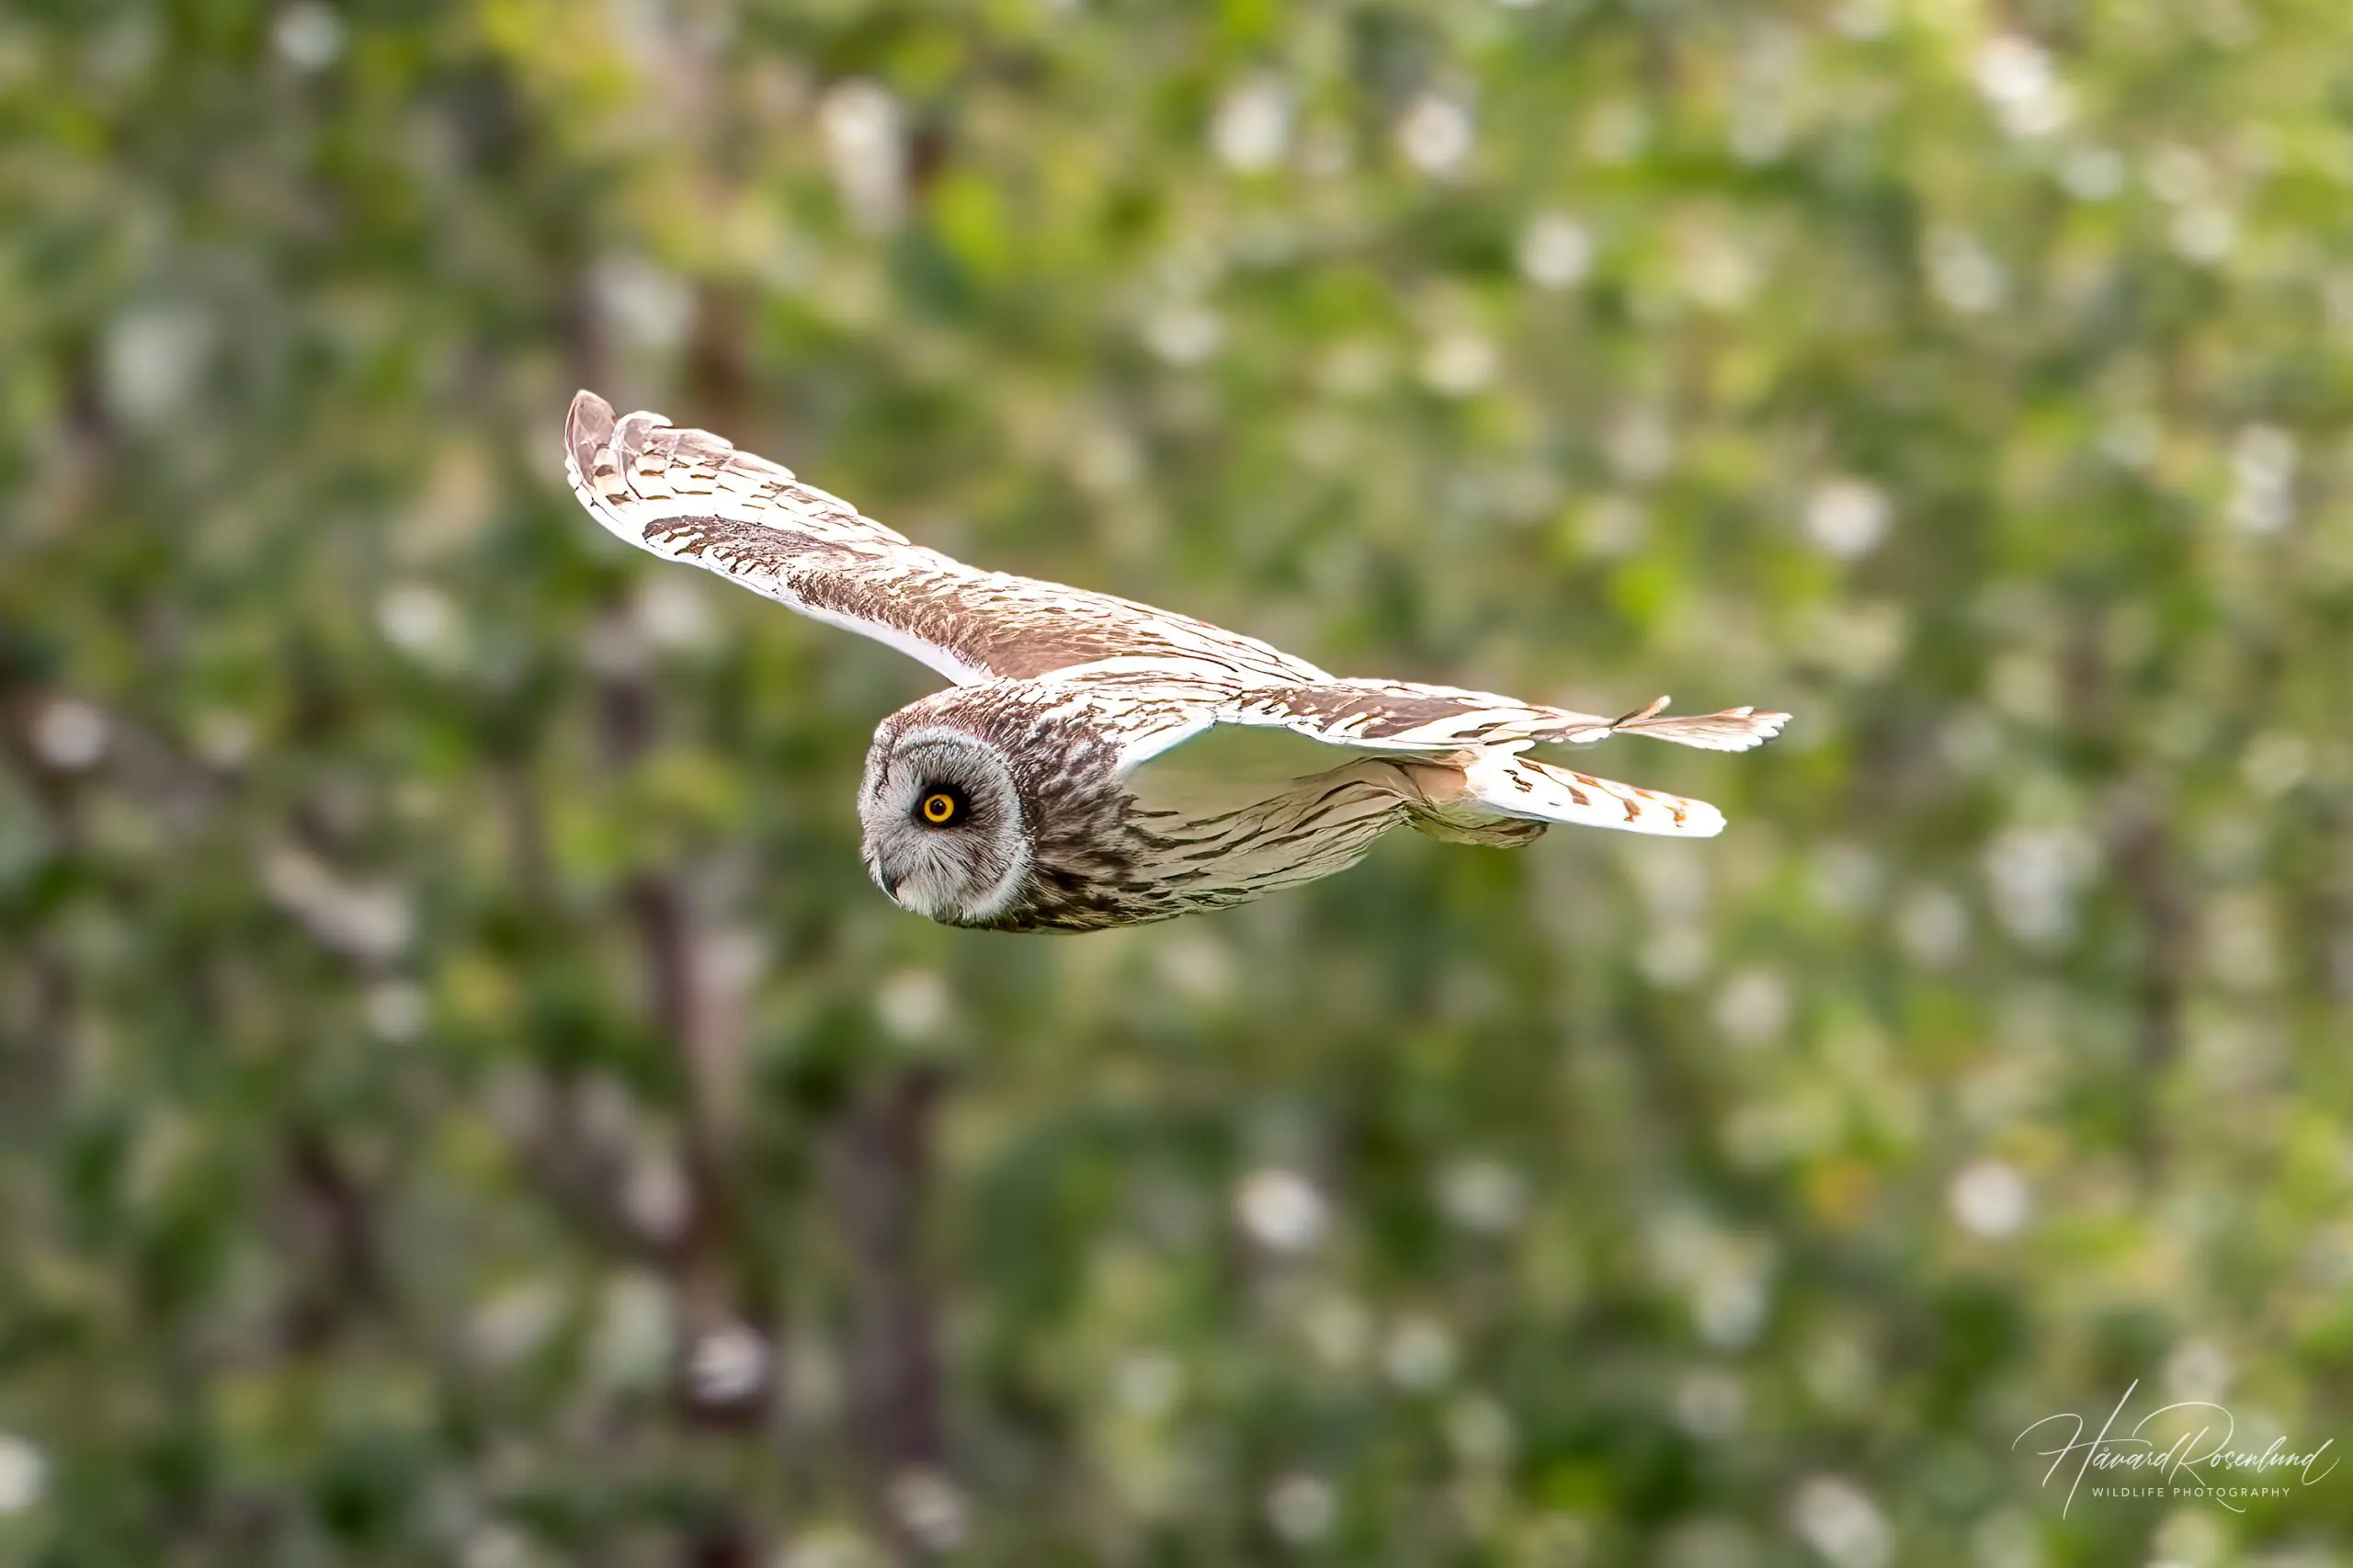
[689, 496]
[1461, 752]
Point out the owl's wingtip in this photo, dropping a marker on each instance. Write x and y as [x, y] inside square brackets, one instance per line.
[1734, 729]
[587, 427]
[589, 423]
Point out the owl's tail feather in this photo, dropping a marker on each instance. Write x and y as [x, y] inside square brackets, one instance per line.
[1504, 785]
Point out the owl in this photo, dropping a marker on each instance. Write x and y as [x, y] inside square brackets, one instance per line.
[1094, 762]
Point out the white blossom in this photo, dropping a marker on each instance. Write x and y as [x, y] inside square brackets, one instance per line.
[308, 37]
[1846, 518]
[865, 137]
[1435, 135]
[1301, 1507]
[1252, 127]
[1839, 1520]
[1990, 1198]
[1282, 1210]
[1556, 251]
[71, 734]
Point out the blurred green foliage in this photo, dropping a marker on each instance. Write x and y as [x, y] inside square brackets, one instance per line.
[460, 1101]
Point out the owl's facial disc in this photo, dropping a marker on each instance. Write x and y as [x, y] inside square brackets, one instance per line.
[944, 833]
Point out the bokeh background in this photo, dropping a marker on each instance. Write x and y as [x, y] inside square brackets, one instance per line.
[460, 1101]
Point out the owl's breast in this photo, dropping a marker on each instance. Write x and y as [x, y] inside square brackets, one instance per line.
[1127, 856]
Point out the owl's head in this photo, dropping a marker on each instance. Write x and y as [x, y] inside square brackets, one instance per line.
[946, 834]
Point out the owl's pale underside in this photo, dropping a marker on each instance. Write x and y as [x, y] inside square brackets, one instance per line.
[1098, 762]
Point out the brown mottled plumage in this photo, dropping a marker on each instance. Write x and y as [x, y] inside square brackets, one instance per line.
[1098, 762]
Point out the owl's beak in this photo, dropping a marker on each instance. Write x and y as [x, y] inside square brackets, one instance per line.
[888, 880]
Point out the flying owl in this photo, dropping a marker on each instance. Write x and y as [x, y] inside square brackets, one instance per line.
[1098, 762]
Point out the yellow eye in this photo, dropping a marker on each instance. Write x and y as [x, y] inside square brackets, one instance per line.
[939, 810]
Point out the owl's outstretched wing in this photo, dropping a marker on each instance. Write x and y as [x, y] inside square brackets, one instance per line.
[1466, 745]
[689, 496]
[1406, 716]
